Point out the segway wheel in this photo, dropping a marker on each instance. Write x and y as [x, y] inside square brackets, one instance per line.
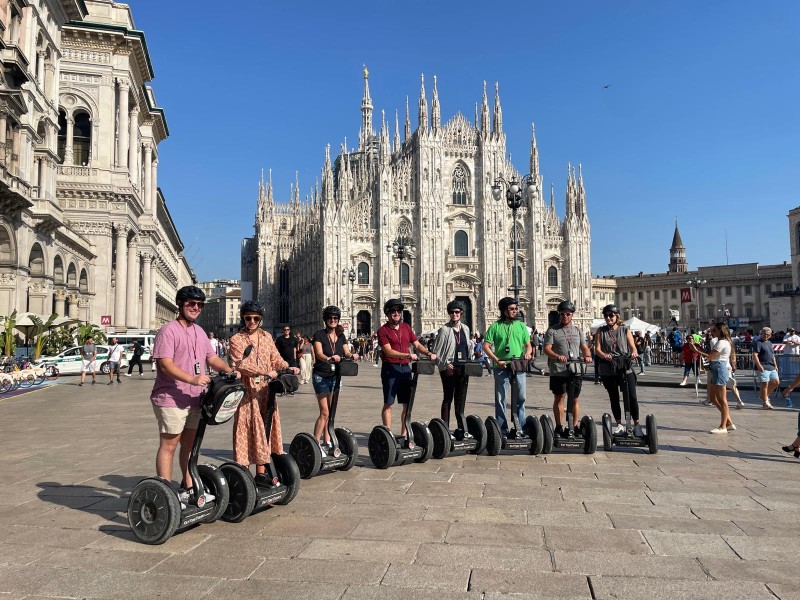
[242, 492]
[477, 429]
[493, 440]
[547, 434]
[423, 439]
[348, 444]
[589, 435]
[441, 438]
[214, 481]
[534, 430]
[154, 511]
[288, 474]
[608, 444]
[652, 433]
[382, 447]
[307, 454]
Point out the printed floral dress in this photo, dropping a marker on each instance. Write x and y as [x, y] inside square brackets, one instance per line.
[250, 445]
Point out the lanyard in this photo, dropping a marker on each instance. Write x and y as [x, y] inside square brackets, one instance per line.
[332, 342]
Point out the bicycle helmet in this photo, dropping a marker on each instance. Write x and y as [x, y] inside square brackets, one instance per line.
[456, 305]
[390, 304]
[331, 311]
[189, 292]
[610, 309]
[251, 306]
[506, 302]
[566, 305]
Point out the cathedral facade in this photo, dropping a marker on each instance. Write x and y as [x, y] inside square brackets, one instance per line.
[429, 193]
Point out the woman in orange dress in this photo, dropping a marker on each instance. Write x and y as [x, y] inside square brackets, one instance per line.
[250, 443]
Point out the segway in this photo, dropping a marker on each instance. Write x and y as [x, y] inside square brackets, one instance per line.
[386, 450]
[344, 447]
[155, 511]
[628, 439]
[584, 437]
[471, 438]
[529, 437]
[281, 481]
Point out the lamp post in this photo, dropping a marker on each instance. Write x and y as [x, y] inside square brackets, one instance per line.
[696, 282]
[514, 200]
[401, 249]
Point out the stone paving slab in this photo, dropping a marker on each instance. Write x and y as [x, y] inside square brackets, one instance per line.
[611, 563]
[636, 588]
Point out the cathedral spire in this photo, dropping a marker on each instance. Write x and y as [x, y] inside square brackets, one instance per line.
[476, 116]
[270, 197]
[423, 106]
[570, 194]
[296, 196]
[436, 113]
[366, 114]
[677, 253]
[407, 132]
[327, 177]
[534, 154]
[497, 118]
[396, 130]
[386, 149]
[581, 196]
[485, 111]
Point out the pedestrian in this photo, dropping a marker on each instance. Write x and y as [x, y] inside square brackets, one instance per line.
[287, 348]
[376, 349]
[795, 445]
[508, 338]
[765, 367]
[88, 356]
[452, 351]
[563, 343]
[214, 343]
[638, 340]
[136, 358]
[616, 351]
[250, 443]
[306, 361]
[330, 347]
[690, 361]
[114, 358]
[648, 349]
[396, 340]
[719, 357]
[183, 353]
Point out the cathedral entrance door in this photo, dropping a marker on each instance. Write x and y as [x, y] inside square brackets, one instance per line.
[466, 318]
[407, 317]
[363, 322]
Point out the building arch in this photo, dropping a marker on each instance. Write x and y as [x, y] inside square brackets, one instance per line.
[58, 271]
[83, 282]
[72, 276]
[518, 234]
[8, 249]
[82, 138]
[460, 184]
[36, 263]
[61, 147]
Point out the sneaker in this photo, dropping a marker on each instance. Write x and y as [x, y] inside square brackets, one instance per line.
[719, 430]
[731, 427]
[375, 365]
[739, 405]
[323, 449]
[183, 496]
[559, 430]
[128, 374]
[789, 403]
[767, 405]
[682, 383]
[110, 383]
[209, 497]
[140, 375]
[619, 429]
[263, 479]
[638, 431]
[80, 384]
[597, 383]
[291, 393]
[93, 382]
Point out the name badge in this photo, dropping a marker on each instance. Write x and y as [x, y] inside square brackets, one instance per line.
[459, 356]
[197, 368]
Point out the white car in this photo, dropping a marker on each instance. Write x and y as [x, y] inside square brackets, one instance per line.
[69, 361]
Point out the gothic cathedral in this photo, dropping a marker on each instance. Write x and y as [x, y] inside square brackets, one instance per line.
[429, 193]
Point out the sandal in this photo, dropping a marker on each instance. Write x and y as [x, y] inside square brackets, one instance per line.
[794, 449]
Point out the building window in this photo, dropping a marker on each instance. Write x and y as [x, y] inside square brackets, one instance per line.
[517, 234]
[82, 139]
[673, 294]
[709, 292]
[641, 295]
[36, 260]
[692, 313]
[657, 294]
[748, 311]
[62, 134]
[748, 290]
[460, 244]
[624, 296]
[787, 287]
[710, 311]
[728, 290]
[552, 277]
[657, 314]
[459, 185]
[363, 273]
[767, 288]
[405, 278]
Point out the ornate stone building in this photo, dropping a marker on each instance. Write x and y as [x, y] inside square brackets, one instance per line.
[84, 228]
[431, 191]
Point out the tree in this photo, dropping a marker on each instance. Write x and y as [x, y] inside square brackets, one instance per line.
[9, 343]
[37, 335]
[89, 330]
[57, 340]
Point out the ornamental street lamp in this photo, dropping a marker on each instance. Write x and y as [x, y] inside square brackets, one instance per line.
[514, 200]
[401, 249]
[696, 282]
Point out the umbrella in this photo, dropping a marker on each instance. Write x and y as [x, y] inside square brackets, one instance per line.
[25, 324]
[63, 321]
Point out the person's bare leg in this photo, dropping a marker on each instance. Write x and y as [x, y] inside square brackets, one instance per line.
[167, 445]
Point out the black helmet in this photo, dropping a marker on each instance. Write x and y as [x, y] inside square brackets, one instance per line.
[456, 305]
[391, 304]
[610, 309]
[506, 302]
[251, 306]
[331, 311]
[189, 292]
[566, 305]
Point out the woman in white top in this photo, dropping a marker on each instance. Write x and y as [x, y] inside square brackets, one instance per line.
[719, 357]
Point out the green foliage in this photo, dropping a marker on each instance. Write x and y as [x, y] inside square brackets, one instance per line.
[9, 343]
[89, 330]
[37, 335]
[57, 340]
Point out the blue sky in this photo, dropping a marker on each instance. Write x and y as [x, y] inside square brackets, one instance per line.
[700, 121]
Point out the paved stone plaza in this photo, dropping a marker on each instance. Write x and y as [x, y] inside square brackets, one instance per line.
[707, 517]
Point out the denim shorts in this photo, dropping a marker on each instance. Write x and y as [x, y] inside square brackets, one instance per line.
[765, 376]
[718, 373]
[323, 385]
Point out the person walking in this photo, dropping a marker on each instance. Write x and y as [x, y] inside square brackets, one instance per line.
[287, 348]
[114, 358]
[306, 361]
[88, 356]
[452, 349]
[719, 357]
[766, 367]
[136, 358]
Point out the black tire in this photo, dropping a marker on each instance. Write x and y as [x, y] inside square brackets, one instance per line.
[493, 441]
[441, 438]
[608, 444]
[288, 474]
[547, 434]
[423, 439]
[215, 483]
[589, 435]
[477, 429]
[382, 448]
[652, 433]
[307, 454]
[242, 493]
[154, 511]
[534, 431]
[105, 368]
[348, 444]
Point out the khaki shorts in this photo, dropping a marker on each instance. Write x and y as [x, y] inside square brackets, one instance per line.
[172, 420]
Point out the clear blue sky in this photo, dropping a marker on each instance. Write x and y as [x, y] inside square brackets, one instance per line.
[700, 122]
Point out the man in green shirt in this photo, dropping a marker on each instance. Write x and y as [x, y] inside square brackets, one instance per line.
[508, 338]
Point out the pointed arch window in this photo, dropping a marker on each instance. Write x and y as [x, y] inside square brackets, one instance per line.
[518, 234]
[461, 244]
[552, 277]
[405, 276]
[363, 273]
[459, 185]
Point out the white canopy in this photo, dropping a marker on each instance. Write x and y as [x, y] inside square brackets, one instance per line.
[596, 324]
[636, 324]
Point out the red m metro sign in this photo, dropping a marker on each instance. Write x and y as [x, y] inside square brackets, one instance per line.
[686, 295]
[105, 320]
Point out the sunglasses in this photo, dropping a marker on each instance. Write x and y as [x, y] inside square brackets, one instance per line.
[454, 312]
[395, 312]
[566, 314]
[194, 304]
[253, 319]
[331, 318]
[512, 309]
[609, 316]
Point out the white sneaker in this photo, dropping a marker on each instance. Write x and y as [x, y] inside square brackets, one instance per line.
[323, 449]
[682, 383]
[127, 374]
[210, 497]
[638, 431]
[619, 429]
[719, 430]
[732, 427]
[768, 406]
[739, 405]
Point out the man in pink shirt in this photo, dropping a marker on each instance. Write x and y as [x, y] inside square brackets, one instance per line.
[182, 352]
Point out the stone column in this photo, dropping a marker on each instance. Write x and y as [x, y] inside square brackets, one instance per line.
[133, 142]
[3, 132]
[68, 159]
[124, 125]
[147, 290]
[148, 177]
[73, 306]
[132, 302]
[40, 68]
[36, 177]
[60, 295]
[154, 187]
[121, 278]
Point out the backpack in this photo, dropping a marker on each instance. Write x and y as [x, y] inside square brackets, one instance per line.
[138, 350]
[675, 340]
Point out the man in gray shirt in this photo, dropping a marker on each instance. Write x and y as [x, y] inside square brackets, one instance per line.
[88, 354]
